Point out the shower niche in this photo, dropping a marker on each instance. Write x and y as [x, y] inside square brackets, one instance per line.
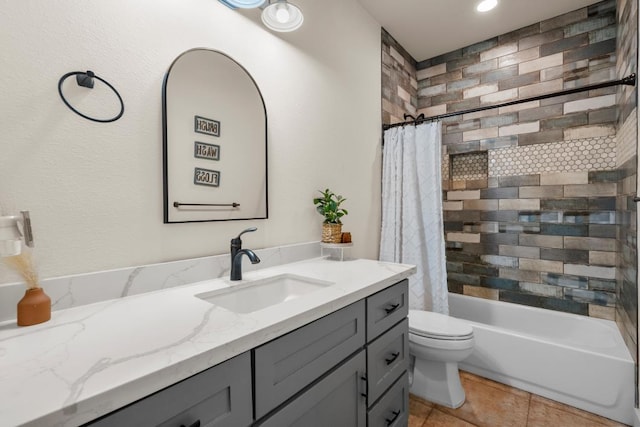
[468, 166]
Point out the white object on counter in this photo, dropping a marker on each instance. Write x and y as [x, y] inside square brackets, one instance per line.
[10, 237]
[12, 231]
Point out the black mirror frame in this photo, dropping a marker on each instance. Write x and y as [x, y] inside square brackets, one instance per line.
[165, 172]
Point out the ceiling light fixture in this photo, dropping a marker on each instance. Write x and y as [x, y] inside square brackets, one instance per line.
[486, 5]
[243, 4]
[282, 16]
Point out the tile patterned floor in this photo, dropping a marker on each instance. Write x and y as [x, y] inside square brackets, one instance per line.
[491, 404]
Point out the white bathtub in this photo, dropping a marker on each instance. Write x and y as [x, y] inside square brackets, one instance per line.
[573, 359]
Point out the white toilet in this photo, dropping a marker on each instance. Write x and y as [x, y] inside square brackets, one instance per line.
[438, 342]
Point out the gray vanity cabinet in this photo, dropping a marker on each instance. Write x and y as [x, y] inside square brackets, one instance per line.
[288, 364]
[393, 409]
[387, 359]
[336, 400]
[388, 356]
[386, 308]
[347, 369]
[217, 397]
[330, 387]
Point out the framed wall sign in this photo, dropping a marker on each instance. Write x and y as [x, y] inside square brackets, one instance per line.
[203, 90]
[203, 150]
[207, 177]
[206, 126]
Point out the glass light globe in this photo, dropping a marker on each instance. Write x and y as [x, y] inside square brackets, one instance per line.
[282, 16]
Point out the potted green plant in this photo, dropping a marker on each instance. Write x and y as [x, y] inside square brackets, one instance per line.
[329, 207]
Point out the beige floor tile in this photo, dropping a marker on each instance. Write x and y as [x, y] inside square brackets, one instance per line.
[557, 406]
[419, 410]
[419, 399]
[440, 419]
[490, 406]
[468, 376]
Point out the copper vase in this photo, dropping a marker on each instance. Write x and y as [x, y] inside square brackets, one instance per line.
[34, 307]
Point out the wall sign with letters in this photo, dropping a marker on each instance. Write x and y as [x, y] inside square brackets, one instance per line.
[206, 177]
[206, 126]
[202, 150]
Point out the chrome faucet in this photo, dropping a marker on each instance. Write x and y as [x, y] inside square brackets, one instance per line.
[236, 255]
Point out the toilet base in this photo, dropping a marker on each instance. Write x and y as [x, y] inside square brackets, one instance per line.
[438, 382]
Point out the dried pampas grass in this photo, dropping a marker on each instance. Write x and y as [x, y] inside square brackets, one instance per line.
[23, 265]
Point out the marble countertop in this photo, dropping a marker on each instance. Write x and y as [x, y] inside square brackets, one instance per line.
[90, 360]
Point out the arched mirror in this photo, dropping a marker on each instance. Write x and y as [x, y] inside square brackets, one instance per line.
[214, 140]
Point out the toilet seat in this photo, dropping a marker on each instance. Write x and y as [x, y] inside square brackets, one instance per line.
[440, 344]
[436, 326]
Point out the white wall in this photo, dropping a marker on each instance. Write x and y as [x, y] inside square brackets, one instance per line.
[95, 190]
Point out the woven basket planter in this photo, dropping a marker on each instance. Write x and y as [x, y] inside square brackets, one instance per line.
[331, 233]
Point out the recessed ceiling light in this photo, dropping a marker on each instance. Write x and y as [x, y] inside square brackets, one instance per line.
[486, 5]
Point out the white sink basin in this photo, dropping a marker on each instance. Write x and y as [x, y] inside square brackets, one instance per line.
[255, 295]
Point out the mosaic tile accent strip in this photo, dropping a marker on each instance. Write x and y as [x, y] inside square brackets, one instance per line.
[446, 175]
[568, 156]
[627, 138]
[469, 165]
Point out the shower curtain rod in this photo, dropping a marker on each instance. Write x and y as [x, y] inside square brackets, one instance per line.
[630, 80]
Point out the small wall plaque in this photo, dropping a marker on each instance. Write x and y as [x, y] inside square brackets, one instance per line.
[202, 150]
[206, 126]
[206, 177]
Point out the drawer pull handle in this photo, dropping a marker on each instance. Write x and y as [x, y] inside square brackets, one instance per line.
[393, 357]
[391, 309]
[396, 414]
[196, 424]
[363, 378]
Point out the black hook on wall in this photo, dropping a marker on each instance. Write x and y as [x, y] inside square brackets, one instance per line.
[86, 79]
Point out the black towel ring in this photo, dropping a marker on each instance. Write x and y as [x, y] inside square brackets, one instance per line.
[86, 80]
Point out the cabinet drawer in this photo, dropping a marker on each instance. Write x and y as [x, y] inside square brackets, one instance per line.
[287, 364]
[335, 400]
[386, 308]
[387, 359]
[219, 396]
[392, 410]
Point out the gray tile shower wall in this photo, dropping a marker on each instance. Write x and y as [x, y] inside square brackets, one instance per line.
[627, 265]
[572, 50]
[626, 58]
[538, 197]
[545, 240]
[399, 85]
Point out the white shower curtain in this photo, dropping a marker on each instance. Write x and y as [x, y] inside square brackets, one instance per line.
[412, 228]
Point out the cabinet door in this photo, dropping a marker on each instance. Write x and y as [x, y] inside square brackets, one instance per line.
[392, 410]
[335, 401]
[387, 359]
[217, 397]
[288, 364]
[386, 308]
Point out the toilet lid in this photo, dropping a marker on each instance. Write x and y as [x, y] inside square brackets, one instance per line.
[435, 325]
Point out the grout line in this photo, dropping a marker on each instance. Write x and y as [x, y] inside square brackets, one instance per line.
[528, 409]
